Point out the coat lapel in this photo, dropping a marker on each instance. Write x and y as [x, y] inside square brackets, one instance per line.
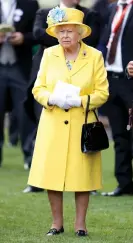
[81, 61]
[113, 12]
[114, 9]
[19, 12]
[59, 53]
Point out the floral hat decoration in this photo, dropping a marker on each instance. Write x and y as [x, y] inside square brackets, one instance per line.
[58, 16]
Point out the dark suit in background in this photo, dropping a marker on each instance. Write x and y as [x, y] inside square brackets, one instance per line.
[121, 95]
[14, 78]
[13, 129]
[102, 7]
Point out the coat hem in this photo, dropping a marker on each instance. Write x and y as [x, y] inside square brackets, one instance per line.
[67, 189]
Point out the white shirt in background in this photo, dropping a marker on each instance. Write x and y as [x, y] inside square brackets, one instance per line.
[8, 8]
[7, 53]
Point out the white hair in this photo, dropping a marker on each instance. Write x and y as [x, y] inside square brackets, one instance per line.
[78, 27]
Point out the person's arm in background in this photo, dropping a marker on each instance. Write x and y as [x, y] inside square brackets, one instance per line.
[129, 74]
[39, 28]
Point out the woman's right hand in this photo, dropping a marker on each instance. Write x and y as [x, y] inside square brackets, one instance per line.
[59, 101]
[74, 101]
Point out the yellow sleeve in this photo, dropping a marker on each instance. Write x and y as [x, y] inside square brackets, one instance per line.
[101, 93]
[40, 91]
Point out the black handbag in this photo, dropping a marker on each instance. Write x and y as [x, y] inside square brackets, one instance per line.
[94, 137]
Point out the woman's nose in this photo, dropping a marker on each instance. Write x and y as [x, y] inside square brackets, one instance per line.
[66, 34]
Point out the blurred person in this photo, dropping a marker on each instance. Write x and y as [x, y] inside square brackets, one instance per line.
[58, 161]
[102, 7]
[90, 18]
[16, 40]
[13, 128]
[48, 4]
[118, 38]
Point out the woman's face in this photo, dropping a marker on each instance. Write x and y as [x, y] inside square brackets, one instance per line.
[68, 35]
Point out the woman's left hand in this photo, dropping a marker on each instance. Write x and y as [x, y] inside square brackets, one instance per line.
[73, 101]
[59, 101]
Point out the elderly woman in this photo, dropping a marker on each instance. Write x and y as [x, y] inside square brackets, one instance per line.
[69, 72]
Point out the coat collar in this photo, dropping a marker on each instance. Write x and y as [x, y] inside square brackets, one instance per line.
[80, 62]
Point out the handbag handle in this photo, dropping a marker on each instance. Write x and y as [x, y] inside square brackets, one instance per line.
[87, 111]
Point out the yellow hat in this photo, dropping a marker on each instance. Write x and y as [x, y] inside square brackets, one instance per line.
[58, 16]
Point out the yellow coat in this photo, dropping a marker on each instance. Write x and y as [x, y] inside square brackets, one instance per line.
[58, 163]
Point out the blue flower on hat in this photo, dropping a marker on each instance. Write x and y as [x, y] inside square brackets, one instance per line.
[56, 15]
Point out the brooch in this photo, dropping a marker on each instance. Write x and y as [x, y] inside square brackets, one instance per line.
[84, 53]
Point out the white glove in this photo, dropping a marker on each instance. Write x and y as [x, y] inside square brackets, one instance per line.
[65, 105]
[52, 99]
[59, 101]
[57, 97]
[64, 95]
[66, 89]
[74, 101]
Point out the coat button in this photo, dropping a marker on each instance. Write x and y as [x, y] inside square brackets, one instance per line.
[66, 122]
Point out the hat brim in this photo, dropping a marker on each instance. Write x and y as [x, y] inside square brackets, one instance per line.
[85, 33]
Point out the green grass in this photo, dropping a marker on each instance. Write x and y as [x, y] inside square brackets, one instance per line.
[25, 218]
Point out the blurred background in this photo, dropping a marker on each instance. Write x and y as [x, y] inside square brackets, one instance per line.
[85, 3]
